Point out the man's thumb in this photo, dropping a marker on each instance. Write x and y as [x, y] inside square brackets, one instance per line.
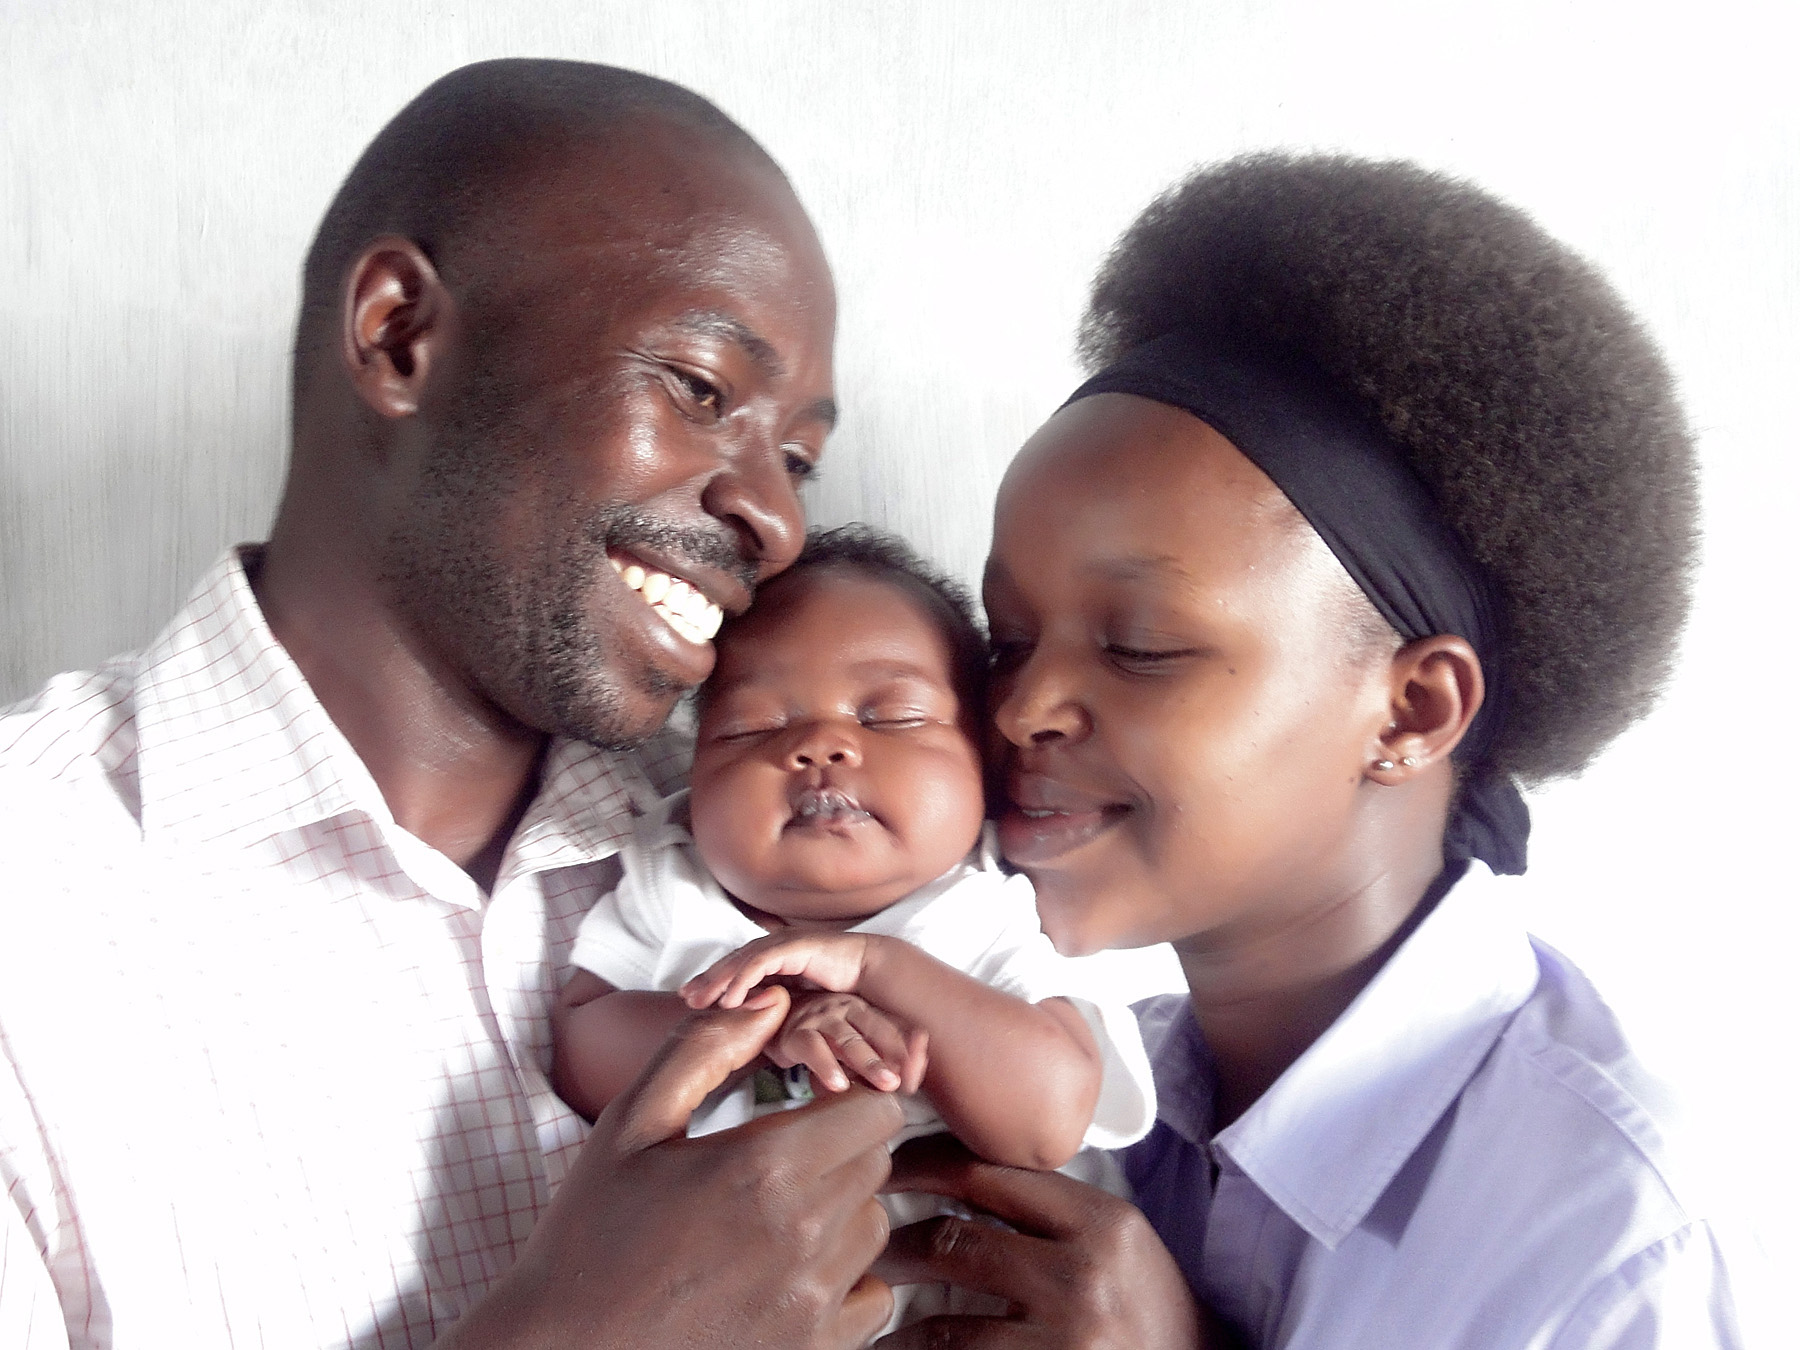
[700, 1054]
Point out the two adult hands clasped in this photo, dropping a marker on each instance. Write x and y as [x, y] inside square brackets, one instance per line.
[770, 1234]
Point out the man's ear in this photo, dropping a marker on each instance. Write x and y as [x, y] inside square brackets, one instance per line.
[1435, 689]
[396, 319]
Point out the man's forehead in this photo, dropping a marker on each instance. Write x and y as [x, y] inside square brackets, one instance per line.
[597, 215]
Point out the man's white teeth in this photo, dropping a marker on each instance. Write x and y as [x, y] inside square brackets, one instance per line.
[678, 604]
[1030, 814]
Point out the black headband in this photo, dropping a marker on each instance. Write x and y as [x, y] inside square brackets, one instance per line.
[1357, 491]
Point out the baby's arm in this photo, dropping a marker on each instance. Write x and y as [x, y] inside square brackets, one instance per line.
[1015, 1081]
[602, 1037]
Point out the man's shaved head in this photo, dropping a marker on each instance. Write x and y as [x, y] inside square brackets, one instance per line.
[467, 144]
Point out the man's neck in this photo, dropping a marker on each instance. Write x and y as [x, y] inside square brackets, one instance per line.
[454, 770]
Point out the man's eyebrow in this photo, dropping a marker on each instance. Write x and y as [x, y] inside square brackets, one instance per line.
[712, 323]
[716, 324]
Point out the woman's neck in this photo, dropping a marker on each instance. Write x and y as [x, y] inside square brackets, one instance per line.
[1263, 995]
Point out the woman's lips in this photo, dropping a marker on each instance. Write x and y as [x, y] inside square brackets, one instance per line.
[1045, 820]
[1030, 840]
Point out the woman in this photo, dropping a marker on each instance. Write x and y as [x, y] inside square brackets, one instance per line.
[1378, 505]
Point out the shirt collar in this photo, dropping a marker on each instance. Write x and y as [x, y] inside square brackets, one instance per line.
[235, 747]
[1326, 1140]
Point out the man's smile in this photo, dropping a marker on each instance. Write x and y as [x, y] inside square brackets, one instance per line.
[675, 600]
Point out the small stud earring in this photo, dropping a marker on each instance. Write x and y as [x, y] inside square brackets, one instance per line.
[1410, 761]
[1384, 764]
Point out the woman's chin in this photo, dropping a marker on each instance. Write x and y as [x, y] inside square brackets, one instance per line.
[1062, 923]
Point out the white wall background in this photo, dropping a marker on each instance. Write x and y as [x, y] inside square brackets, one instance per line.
[162, 166]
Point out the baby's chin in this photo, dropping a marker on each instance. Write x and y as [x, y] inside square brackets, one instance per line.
[840, 902]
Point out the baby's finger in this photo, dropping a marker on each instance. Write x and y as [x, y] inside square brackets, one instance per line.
[808, 1047]
[704, 989]
[751, 971]
[913, 1066]
[855, 1053]
[883, 1035]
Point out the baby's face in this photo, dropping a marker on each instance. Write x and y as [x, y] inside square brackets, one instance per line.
[836, 768]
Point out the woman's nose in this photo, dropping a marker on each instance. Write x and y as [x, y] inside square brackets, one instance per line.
[823, 744]
[1036, 703]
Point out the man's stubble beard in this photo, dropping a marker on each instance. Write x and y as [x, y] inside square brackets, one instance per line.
[521, 630]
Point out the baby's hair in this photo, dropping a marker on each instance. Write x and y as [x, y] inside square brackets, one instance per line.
[1510, 373]
[886, 557]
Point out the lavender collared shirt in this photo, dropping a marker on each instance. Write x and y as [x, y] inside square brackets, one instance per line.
[1470, 1158]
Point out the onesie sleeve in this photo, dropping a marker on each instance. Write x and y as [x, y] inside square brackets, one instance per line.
[1022, 961]
[622, 938]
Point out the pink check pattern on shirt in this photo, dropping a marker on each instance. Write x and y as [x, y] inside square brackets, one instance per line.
[272, 1070]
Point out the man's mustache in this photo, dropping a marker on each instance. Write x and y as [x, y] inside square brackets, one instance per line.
[623, 528]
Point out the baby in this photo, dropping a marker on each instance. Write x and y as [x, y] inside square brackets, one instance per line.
[833, 841]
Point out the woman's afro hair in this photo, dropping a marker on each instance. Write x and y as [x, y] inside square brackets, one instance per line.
[1510, 373]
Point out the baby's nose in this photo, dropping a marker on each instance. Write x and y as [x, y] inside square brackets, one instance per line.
[824, 744]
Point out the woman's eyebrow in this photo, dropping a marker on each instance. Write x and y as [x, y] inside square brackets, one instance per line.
[1137, 566]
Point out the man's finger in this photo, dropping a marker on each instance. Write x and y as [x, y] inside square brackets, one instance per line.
[701, 1053]
[1047, 1204]
[967, 1252]
[866, 1310]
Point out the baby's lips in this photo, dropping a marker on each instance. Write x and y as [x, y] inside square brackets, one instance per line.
[819, 802]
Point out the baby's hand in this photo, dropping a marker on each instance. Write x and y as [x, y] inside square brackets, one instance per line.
[825, 1030]
[831, 961]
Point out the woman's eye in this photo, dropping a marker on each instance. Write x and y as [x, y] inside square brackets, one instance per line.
[1006, 653]
[1146, 657]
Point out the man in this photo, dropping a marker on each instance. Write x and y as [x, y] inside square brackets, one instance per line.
[295, 883]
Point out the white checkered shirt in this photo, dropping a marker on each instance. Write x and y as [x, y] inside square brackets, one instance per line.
[272, 1071]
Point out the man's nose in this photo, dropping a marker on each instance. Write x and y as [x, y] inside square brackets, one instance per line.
[824, 744]
[756, 498]
[1037, 702]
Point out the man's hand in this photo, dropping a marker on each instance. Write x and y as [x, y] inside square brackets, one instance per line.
[826, 1030]
[760, 1235]
[824, 960]
[1083, 1270]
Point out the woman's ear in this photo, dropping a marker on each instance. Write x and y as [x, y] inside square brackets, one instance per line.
[396, 313]
[1435, 690]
